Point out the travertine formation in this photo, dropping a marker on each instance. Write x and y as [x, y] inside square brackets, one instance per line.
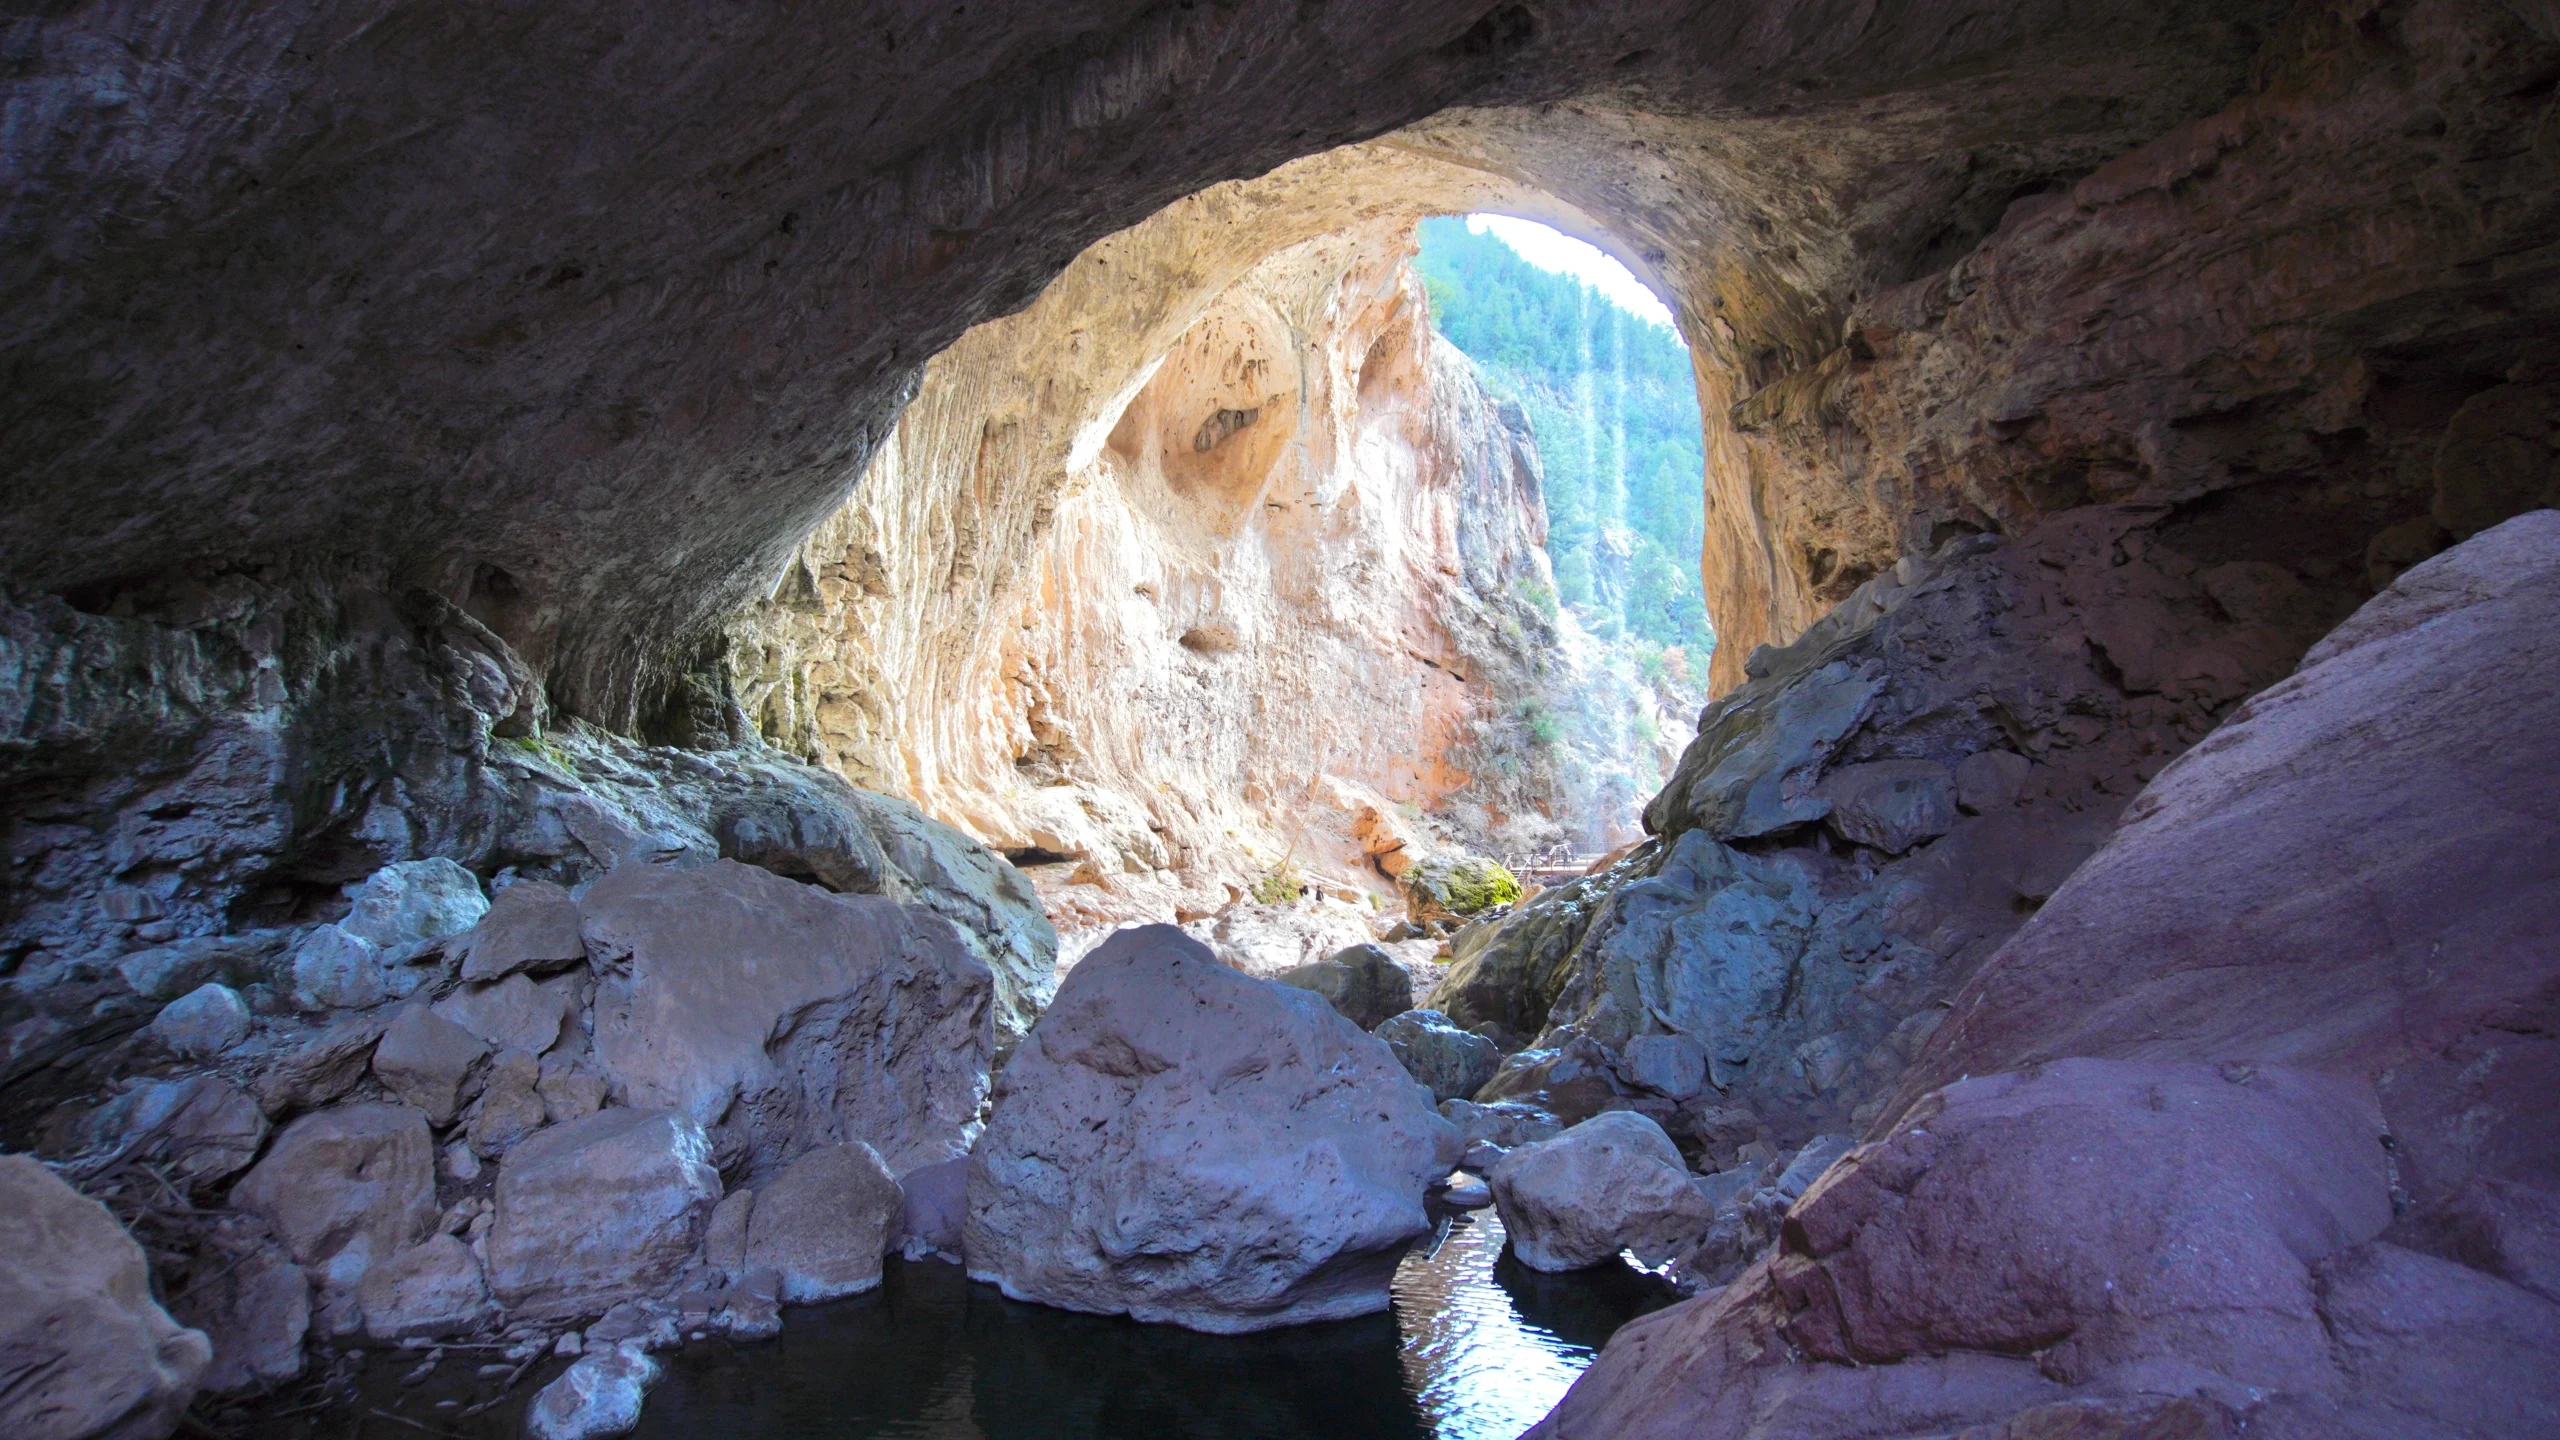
[1176, 585]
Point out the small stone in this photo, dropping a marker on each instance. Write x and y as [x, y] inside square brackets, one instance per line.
[204, 1127]
[569, 1088]
[599, 1209]
[569, 1343]
[934, 1208]
[335, 969]
[1466, 1197]
[323, 1070]
[246, 1294]
[1481, 1156]
[346, 1189]
[203, 1023]
[459, 1162]
[1363, 982]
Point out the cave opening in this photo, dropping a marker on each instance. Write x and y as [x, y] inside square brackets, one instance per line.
[603, 612]
[1266, 606]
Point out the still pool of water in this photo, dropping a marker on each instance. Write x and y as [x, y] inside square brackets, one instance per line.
[1478, 1348]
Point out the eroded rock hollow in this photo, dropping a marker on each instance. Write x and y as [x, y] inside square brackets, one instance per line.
[595, 602]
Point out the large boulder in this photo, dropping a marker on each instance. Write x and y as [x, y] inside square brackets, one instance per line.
[346, 1189]
[410, 901]
[2358, 871]
[1362, 981]
[532, 925]
[84, 1349]
[435, 1288]
[1180, 1142]
[599, 1210]
[1451, 1063]
[823, 1224]
[2253, 1113]
[785, 1016]
[1614, 1182]
[2091, 1229]
[203, 1127]
[807, 824]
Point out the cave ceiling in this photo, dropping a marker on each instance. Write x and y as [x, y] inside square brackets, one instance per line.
[599, 308]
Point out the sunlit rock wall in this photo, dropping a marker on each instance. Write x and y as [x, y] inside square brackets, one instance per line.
[1287, 602]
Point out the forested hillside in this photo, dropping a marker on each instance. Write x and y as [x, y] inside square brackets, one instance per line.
[1616, 415]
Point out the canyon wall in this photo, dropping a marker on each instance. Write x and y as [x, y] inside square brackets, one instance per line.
[1286, 605]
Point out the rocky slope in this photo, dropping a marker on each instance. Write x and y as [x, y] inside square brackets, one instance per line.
[2262, 1026]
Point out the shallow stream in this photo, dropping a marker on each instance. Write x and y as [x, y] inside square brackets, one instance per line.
[1478, 1348]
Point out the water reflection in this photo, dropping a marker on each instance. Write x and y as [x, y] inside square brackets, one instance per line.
[1478, 1348]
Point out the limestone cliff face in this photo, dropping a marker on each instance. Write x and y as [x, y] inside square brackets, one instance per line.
[1288, 601]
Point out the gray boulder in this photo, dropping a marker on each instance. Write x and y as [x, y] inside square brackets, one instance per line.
[1614, 1182]
[84, 1350]
[1179, 1142]
[516, 1013]
[336, 969]
[786, 1015]
[599, 1210]
[204, 1128]
[202, 1023]
[346, 1189]
[424, 1059]
[1362, 981]
[824, 1223]
[1449, 1062]
[598, 1396]
[531, 926]
[411, 901]
[434, 1288]
[171, 970]
[322, 1069]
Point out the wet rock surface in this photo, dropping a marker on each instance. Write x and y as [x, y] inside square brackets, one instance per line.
[1181, 1143]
